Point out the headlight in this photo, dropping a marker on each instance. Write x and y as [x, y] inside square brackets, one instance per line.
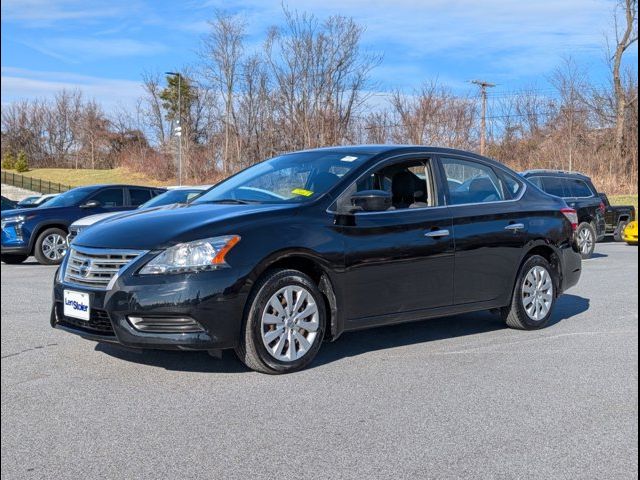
[11, 220]
[206, 254]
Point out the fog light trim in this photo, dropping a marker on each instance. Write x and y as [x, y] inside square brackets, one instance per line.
[165, 324]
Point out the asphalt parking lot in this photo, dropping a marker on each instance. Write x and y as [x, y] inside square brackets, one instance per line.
[460, 397]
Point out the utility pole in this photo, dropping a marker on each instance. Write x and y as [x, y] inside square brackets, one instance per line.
[178, 129]
[483, 120]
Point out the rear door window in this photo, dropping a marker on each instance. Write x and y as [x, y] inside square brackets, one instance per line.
[471, 182]
[139, 196]
[555, 186]
[110, 197]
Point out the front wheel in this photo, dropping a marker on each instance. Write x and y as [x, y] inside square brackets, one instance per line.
[51, 246]
[534, 296]
[586, 236]
[284, 323]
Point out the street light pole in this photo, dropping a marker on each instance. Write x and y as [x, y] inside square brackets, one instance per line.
[178, 129]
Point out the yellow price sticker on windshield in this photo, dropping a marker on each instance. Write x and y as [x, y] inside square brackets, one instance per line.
[302, 191]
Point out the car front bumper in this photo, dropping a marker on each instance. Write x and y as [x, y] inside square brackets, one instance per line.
[13, 240]
[215, 300]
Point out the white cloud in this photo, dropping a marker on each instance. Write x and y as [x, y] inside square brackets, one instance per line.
[507, 34]
[46, 12]
[20, 84]
[91, 48]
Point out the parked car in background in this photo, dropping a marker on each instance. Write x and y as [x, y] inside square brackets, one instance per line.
[35, 200]
[42, 231]
[343, 239]
[7, 204]
[630, 233]
[176, 195]
[579, 193]
[617, 217]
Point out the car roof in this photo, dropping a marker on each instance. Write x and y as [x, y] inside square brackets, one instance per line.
[103, 185]
[562, 173]
[385, 148]
[188, 187]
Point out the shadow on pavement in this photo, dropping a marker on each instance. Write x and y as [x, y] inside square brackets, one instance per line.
[179, 361]
[350, 344]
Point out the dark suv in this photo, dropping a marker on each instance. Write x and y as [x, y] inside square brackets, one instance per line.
[579, 193]
[42, 231]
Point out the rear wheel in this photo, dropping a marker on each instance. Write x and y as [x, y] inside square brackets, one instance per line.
[534, 295]
[51, 246]
[284, 323]
[617, 234]
[11, 259]
[586, 237]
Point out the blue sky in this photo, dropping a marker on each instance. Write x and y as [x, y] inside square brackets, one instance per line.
[104, 46]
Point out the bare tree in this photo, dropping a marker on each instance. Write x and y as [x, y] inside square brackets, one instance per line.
[152, 112]
[221, 52]
[624, 40]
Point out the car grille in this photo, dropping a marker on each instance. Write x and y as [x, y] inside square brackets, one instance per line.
[98, 323]
[95, 268]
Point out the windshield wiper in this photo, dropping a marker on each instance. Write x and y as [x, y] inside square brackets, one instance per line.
[230, 200]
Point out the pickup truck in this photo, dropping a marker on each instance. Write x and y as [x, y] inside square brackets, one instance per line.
[617, 217]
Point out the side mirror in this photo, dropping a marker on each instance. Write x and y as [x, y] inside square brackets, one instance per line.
[91, 204]
[371, 201]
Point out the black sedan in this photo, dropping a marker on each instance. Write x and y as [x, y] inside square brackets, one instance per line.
[340, 239]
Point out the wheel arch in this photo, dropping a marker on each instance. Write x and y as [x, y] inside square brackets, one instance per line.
[548, 252]
[311, 264]
[41, 228]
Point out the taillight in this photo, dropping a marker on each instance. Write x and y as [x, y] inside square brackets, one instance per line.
[603, 208]
[572, 216]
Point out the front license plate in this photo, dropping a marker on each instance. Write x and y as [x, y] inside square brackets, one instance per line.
[77, 305]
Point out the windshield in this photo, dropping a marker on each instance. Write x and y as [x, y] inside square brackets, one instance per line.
[70, 197]
[29, 201]
[181, 195]
[296, 177]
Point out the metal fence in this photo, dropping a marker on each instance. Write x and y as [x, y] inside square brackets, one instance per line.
[33, 184]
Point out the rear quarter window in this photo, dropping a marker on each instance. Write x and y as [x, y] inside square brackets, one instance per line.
[579, 188]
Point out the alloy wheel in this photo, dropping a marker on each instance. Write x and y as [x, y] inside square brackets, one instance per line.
[537, 293]
[585, 241]
[54, 247]
[290, 323]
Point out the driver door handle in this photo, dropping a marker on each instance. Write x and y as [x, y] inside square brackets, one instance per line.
[514, 227]
[437, 233]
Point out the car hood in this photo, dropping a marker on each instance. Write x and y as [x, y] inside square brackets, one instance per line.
[41, 210]
[151, 229]
[91, 219]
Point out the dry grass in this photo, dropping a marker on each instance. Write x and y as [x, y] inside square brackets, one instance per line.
[79, 177]
[624, 200]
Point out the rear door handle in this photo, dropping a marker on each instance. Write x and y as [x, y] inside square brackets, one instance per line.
[437, 233]
[514, 227]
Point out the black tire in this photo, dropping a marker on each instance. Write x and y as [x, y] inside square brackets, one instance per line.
[40, 254]
[617, 233]
[13, 259]
[515, 315]
[251, 351]
[585, 228]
